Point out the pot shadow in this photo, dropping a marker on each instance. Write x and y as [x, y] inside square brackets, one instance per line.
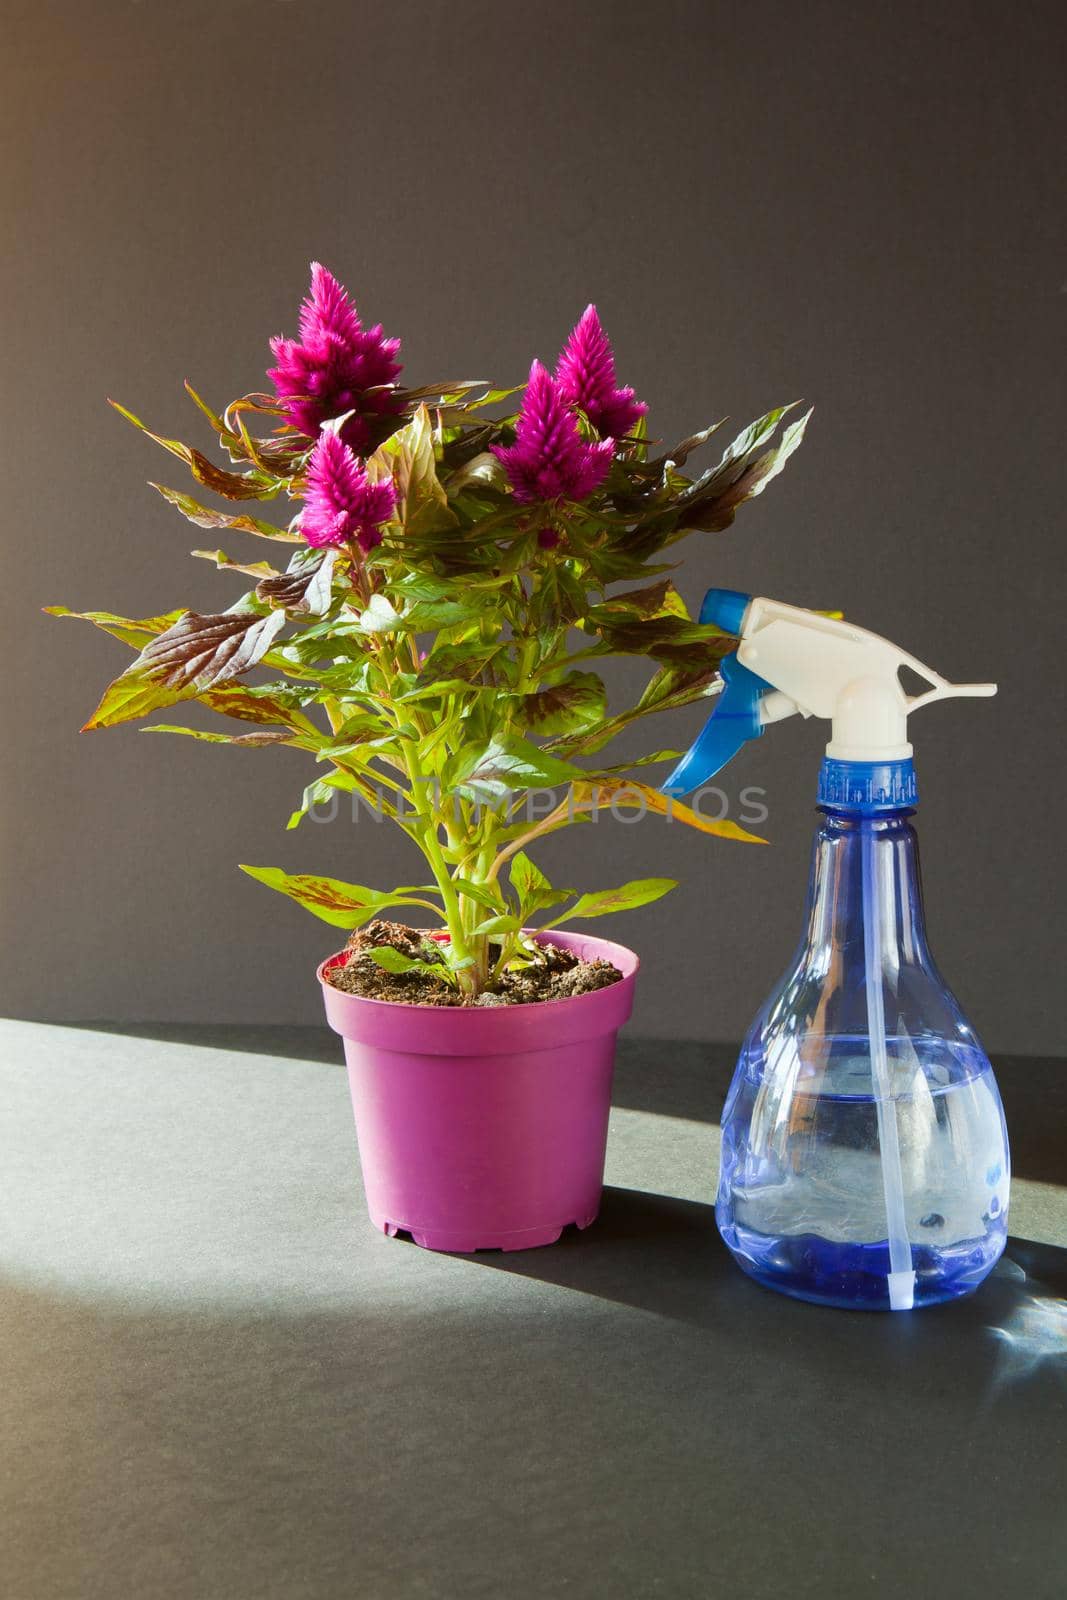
[652, 1252]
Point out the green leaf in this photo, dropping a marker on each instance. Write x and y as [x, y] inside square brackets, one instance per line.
[131, 632]
[407, 457]
[413, 586]
[478, 892]
[493, 397]
[217, 422]
[532, 888]
[357, 728]
[750, 438]
[437, 691]
[343, 905]
[672, 687]
[482, 471]
[499, 924]
[563, 592]
[196, 654]
[348, 679]
[772, 463]
[319, 792]
[380, 616]
[527, 879]
[130, 697]
[640, 892]
[432, 615]
[449, 393]
[654, 758]
[509, 763]
[391, 960]
[460, 661]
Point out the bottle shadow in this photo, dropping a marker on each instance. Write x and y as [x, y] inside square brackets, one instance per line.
[662, 1255]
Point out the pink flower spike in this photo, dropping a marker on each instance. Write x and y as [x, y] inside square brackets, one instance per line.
[328, 312]
[330, 368]
[549, 460]
[585, 373]
[341, 504]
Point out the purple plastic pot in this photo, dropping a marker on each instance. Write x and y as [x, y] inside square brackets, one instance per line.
[484, 1128]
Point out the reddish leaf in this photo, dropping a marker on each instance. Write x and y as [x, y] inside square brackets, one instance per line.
[200, 652]
[232, 485]
[665, 638]
[579, 701]
[238, 701]
[196, 654]
[657, 600]
[208, 517]
[254, 569]
[629, 795]
[302, 593]
[263, 737]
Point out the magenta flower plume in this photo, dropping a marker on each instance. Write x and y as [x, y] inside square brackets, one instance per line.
[335, 361]
[341, 503]
[585, 373]
[549, 459]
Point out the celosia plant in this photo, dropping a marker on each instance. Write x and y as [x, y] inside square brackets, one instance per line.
[452, 583]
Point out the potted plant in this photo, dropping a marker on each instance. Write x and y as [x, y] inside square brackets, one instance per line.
[460, 560]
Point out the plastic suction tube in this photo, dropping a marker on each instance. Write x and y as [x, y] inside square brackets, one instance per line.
[901, 1276]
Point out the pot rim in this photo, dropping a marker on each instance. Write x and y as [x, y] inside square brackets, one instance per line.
[628, 966]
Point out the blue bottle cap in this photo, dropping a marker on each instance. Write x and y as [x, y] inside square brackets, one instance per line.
[868, 786]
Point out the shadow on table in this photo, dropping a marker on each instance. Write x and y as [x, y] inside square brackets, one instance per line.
[281, 1450]
[650, 1251]
[663, 1255]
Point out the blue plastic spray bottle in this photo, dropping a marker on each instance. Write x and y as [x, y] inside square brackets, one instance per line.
[864, 1153]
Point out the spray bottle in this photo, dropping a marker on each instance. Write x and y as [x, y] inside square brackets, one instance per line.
[864, 1153]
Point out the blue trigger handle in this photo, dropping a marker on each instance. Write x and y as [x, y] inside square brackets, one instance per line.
[735, 719]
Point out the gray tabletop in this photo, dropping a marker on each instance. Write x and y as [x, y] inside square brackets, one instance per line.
[219, 1381]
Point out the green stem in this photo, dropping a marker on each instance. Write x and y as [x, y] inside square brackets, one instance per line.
[427, 839]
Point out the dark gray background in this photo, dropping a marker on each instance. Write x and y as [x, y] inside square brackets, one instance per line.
[860, 204]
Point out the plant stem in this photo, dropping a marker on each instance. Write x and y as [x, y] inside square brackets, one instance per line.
[467, 972]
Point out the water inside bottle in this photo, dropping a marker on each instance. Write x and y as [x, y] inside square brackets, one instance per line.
[801, 1202]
